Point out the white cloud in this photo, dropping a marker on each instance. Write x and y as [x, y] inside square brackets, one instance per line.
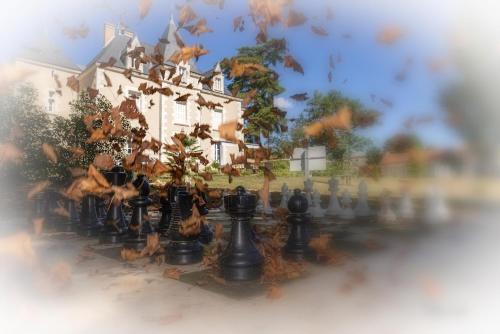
[282, 102]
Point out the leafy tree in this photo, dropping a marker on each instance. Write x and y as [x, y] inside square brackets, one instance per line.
[71, 132]
[260, 117]
[27, 126]
[344, 142]
[401, 143]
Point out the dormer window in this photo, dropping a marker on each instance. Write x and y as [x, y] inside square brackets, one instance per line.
[218, 84]
[183, 71]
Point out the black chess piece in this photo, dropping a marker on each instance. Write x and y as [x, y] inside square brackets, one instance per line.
[241, 261]
[89, 222]
[52, 200]
[166, 214]
[140, 225]
[115, 223]
[141, 183]
[71, 223]
[181, 249]
[100, 205]
[297, 246]
[206, 233]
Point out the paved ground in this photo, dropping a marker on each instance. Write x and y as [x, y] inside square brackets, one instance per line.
[412, 280]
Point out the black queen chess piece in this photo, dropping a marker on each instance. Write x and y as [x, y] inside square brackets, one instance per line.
[297, 246]
[89, 222]
[181, 249]
[114, 223]
[241, 261]
[140, 225]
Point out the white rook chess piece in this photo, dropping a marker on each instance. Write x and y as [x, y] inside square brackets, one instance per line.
[347, 213]
[362, 209]
[316, 210]
[334, 208]
[386, 214]
[284, 196]
[406, 210]
[435, 208]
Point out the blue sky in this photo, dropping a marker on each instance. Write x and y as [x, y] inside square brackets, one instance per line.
[368, 67]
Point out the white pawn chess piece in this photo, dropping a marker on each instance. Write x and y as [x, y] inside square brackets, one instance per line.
[334, 208]
[386, 214]
[435, 208]
[406, 211]
[308, 188]
[316, 210]
[285, 192]
[347, 213]
[362, 209]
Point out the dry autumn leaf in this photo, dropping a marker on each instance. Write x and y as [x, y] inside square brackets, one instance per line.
[37, 188]
[104, 161]
[144, 7]
[228, 131]
[50, 153]
[129, 254]
[389, 35]
[340, 120]
[274, 292]
[172, 273]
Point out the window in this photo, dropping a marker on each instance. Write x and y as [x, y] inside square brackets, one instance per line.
[184, 73]
[217, 149]
[180, 112]
[217, 119]
[137, 96]
[218, 84]
[51, 102]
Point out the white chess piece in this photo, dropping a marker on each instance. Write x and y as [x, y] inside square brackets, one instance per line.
[362, 209]
[308, 188]
[435, 208]
[334, 208]
[284, 196]
[259, 208]
[406, 210]
[316, 210]
[347, 212]
[386, 214]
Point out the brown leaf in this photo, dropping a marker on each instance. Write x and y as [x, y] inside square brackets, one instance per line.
[128, 254]
[274, 292]
[219, 229]
[104, 161]
[144, 7]
[289, 61]
[339, 120]
[238, 23]
[110, 84]
[389, 35]
[199, 28]
[228, 131]
[300, 97]
[320, 31]
[295, 19]
[37, 188]
[80, 31]
[98, 177]
[111, 61]
[152, 244]
[10, 153]
[186, 14]
[172, 273]
[73, 83]
[50, 153]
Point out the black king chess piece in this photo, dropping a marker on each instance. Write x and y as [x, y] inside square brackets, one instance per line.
[181, 249]
[89, 222]
[140, 225]
[241, 261]
[114, 223]
[297, 246]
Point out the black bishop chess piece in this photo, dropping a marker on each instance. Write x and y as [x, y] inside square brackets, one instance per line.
[89, 222]
[140, 225]
[297, 246]
[114, 223]
[181, 249]
[241, 261]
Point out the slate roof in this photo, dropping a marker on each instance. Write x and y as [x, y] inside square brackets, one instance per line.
[44, 51]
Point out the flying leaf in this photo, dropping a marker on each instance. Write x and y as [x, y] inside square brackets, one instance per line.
[339, 120]
[237, 23]
[144, 7]
[289, 61]
[50, 153]
[320, 31]
[111, 61]
[172, 273]
[73, 83]
[300, 97]
[199, 28]
[295, 19]
[37, 188]
[104, 161]
[389, 35]
[80, 31]
[228, 131]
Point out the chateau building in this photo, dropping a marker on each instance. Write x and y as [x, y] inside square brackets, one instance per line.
[50, 69]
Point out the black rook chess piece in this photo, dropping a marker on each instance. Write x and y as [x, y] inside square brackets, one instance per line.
[89, 222]
[297, 247]
[115, 224]
[181, 249]
[241, 261]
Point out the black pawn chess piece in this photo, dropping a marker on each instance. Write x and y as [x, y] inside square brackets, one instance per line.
[100, 204]
[241, 261]
[166, 214]
[181, 249]
[140, 225]
[114, 223]
[297, 246]
[89, 222]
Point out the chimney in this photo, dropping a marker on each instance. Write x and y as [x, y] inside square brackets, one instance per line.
[109, 33]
